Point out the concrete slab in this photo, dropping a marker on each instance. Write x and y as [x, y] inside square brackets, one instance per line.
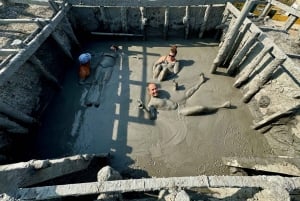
[171, 145]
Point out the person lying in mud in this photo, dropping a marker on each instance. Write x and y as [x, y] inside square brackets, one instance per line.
[159, 103]
[166, 66]
[101, 76]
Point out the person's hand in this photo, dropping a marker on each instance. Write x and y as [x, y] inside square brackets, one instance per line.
[141, 105]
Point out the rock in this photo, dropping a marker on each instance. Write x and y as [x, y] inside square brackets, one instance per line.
[182, 196]
[109, 174]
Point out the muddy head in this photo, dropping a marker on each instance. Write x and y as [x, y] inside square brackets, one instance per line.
[152, 89]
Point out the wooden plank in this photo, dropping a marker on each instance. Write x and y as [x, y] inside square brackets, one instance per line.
[152, 184]
[147, 3]
[288, 166]
[20, 58]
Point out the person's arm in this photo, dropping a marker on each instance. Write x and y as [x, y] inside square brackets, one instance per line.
[159, 61]
[151, 110]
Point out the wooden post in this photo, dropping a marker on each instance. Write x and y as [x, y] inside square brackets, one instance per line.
[231, 35]
[62, 43]
[249, 69]
[264, 77]
[143, 22]
[206, 15]
[38, 64]
[220, 27]
[12, 127]
[58, 38]
[124, 19]
[237, 43]
[15, 114]
[232, 22]
[186, 22]
[240, 55]
[69, 31]
[103, 13]
[266, 10]
[166, 24]
[289, 23]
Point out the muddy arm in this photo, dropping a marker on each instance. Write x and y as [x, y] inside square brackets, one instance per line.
[150, 110]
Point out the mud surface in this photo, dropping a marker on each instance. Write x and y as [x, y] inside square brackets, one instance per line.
[171, 145]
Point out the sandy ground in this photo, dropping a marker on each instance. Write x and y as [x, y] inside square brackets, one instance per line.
[171, 145]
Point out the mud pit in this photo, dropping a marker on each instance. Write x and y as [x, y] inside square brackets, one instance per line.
[171, 145]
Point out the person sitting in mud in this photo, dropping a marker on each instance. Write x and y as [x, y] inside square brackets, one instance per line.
[84, 66]
[166, 65]
[160, 103]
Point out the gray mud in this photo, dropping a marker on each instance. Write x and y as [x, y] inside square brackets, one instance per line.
[171, 145]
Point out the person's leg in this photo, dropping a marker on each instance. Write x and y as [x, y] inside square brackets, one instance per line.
[199, 109]
[193, 89]
[163, 74]
[156, 70]
[176, 67]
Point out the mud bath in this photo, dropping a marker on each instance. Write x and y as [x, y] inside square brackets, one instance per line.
[171, 145]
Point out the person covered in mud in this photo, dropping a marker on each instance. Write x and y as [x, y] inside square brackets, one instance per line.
[159, 103]
[166, 65]
[84, 66]
[101, 76]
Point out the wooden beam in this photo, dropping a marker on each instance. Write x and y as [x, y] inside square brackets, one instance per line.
[166, 23]
[288, 64]
[38, 64]
[294, 56]
[244, 76]
[36, 2]
[12, 127]
[231, 35]
[148, 3]
[257, 83]
[115, 34]
[203, 26]
[186, 21]
[288, 166]
[152, 184]
[23, 174]
[242, 53]
[6, 52]
[286, 8]
[15, 114]
[277, 115]
[32, 20]
[19, 59]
